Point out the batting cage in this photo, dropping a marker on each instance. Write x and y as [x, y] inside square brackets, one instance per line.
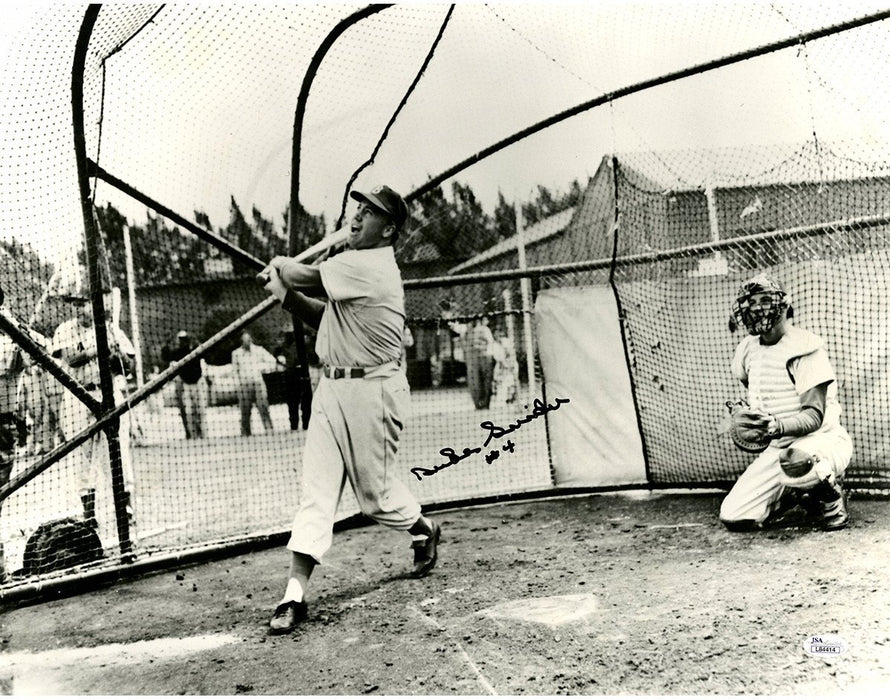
[582, 213]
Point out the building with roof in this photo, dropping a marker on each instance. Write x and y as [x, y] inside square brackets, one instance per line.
[504, 255]
[675, 199]
[671, 200]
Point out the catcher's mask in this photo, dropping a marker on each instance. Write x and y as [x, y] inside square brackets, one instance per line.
[759, 315]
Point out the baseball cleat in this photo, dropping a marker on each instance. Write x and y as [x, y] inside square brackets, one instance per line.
[747, 525]
[287, 616]
[831, 499]
[426, 553]
[835, 515]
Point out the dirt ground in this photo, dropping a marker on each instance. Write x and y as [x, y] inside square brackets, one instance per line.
[613, 594]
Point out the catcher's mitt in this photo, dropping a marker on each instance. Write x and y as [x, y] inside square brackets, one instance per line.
[747, 427]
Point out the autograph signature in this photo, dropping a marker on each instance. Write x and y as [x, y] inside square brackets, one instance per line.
[539, 408]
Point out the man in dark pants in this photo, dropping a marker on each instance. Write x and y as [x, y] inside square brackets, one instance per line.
[191, 390]
[297, 392]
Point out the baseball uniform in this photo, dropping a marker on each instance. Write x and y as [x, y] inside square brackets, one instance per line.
[91, 460]
[776, 376]
[356, 421]
[191, 389]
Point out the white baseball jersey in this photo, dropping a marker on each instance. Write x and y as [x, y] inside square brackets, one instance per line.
[363, 323]
[249, 365]
[71, 338]
[91, 459]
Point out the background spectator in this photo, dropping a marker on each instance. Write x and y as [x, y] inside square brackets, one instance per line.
[249, 363]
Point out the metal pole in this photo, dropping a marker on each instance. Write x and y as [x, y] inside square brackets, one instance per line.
[508, 315]
[294, 204]
[525, 290]
[717, 261]
[95, 258]
[134, 313]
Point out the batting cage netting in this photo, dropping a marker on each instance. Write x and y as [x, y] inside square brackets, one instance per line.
[588, 186]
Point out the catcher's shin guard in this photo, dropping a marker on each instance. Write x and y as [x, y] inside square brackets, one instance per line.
[788, 501]
[832, 500]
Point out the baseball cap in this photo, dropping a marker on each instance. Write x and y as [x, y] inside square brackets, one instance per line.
[387, 200]
[182, 334]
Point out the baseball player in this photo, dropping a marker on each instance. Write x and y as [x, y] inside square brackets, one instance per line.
[792, 392]
[362, 399]
[74, 342]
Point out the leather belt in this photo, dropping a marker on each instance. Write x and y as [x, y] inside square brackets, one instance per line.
[343, 372]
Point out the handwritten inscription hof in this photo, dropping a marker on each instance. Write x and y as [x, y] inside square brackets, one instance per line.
[495, 432]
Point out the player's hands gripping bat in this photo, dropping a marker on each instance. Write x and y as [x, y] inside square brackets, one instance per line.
[273, 283]
[325, 245]
[749, 428]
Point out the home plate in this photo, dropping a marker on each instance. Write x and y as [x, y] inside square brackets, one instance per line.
[552, 611]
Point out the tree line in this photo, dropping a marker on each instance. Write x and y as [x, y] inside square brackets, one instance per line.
[458, 228]
[164, 254]
[442, 227]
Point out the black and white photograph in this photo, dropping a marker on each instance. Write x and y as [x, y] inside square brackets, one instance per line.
[426, 349]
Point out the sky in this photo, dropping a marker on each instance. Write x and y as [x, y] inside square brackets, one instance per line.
[497, 72]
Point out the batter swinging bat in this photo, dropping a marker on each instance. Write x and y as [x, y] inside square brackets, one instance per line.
[326, 243]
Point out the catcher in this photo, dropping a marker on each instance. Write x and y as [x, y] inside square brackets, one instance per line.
[791, 417]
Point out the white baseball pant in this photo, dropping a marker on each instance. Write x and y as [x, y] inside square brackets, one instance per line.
[757, 491]
[353, 434]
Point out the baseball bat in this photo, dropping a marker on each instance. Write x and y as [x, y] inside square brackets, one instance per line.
[326, 243]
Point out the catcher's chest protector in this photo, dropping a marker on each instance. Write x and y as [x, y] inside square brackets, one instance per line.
[770, 386]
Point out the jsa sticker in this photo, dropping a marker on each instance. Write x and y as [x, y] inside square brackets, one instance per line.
[824, 645]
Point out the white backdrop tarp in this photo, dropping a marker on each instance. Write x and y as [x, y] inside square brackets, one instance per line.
[595, 440]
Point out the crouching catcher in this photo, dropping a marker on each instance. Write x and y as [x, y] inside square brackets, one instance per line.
[792, 417]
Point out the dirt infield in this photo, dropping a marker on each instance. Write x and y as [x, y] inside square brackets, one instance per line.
[595, 595]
